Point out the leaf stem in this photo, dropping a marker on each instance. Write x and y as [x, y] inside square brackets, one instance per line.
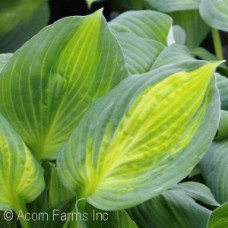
[217, 43]
[21, 211]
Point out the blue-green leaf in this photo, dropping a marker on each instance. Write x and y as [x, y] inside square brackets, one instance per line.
[215, 13]
[173, 5]
[142, 137]
[215, 170]
[178, 206]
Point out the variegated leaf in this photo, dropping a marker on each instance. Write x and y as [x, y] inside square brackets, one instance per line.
[141, 138]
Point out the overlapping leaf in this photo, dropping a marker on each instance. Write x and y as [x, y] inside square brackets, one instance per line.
[21, 177]
[4, 58]
[19, 21]
[196, 29]
[141, 138]
[57, 192]
[176, 56]
[222, 132]
[215, 170]
[144, 23]
[178, 206]
[49, 87]
[142, 36]
[219, 217]
[179, 34]
[215, 13]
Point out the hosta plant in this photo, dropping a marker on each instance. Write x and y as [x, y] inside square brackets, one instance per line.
[101, 121]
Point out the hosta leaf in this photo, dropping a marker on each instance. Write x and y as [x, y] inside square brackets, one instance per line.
[222, 132]
[203, 53]
[215, 170]
[173, 5]
[56, 216]
[142, 36]
[19, 21]
[219, 217]
[141, 138]
[8, 224]
[21, 177]
[215, 13]
[144, 23]
[57, 192]
[198, 192]
[4, 58]
[179, 34]
[101, 219]
[194, 26]
[223, 90]
[176, 207]
[52, 80]
[139, 53]
[176, 55]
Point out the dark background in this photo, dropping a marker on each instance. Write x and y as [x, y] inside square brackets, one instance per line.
[64, 8]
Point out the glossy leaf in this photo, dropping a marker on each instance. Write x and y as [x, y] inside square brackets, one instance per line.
[215, 13]
[115, 158]
[53, 79]
[21, 176]
[173, 5]
[194, 26]
[20, 20]
[177, 206]
[219, 217]
[4, 58]
[215, 170]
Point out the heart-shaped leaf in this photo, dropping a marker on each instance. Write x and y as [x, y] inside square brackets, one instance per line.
[141, 138]
[52, 80]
